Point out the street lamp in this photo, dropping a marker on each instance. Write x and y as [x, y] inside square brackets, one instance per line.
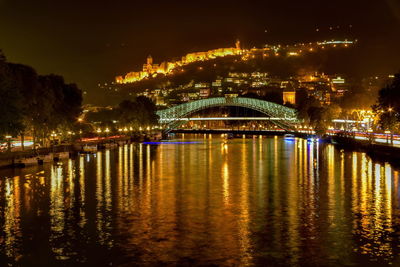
[8, 137]
[370, 135]
[53, 137]
[387, 132]
[70, 136]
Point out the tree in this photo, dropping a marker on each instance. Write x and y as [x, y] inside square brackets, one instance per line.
[35, 104]
[128, 113]
[11, 119]
[103, 117]
[57, 105]
[138, 113]
[304, 105]
[388, 106]
[24, 81]
[357, 98]
[320, 118]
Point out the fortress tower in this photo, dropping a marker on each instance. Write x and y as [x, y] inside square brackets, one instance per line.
[237, 44]
[149, 60]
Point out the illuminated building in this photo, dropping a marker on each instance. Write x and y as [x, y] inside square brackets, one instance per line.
[289, 97]
[339, 86]
[151, 70]
[289, 94]
[205, 92]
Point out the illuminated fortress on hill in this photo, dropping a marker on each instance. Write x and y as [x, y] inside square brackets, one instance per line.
[168, 67]
[151, 70]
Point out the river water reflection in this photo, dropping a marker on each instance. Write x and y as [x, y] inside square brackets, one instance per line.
[260, 201]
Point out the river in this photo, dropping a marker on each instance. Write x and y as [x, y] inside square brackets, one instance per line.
[202, 200]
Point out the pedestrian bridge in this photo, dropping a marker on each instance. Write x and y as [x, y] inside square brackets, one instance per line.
[283, 116]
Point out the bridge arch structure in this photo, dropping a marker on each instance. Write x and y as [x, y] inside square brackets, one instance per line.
[283, 116]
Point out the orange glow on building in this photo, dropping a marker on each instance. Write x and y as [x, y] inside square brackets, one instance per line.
[151, 70]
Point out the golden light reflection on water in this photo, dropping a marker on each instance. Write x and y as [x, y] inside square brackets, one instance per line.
[82, 191]
[243, 220]
[12, 215]
[57, 215]
[240, 202]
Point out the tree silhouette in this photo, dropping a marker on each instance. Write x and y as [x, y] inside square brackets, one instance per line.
[388, 106]
[35, 104]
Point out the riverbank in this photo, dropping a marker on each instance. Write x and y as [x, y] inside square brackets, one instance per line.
[378, 152]
[240, 133]
[39, 156]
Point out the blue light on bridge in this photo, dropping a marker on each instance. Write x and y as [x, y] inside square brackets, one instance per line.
[291, 139]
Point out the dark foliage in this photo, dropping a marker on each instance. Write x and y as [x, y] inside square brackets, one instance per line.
[34, 104]
[388, 105]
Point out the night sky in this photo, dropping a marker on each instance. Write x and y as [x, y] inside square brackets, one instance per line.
[92, 41]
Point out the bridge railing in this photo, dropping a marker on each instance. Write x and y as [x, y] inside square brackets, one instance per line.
[172, 115]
